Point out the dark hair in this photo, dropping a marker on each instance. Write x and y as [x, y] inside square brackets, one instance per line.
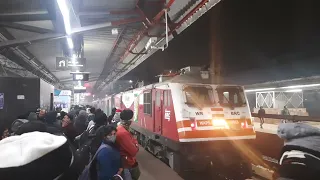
[113, 110]
[98, 111]
[62, 114]
[106, 130]
[126, 114]
[70, 116]
[100, 118]
[92, 110]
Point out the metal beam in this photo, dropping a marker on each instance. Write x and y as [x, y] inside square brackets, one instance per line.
[25, 27]
[102, 13]
[50, 36]
[42, 37]
[25, 59]
[25, 16]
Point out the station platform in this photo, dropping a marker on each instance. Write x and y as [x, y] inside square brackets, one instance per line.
[153, 169]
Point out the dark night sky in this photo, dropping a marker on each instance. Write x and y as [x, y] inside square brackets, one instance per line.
[254, 35]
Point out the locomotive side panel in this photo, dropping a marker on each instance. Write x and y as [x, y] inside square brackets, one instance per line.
[146, 115]
[169, 126]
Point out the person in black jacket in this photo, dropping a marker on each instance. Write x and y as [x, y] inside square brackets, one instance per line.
[113, 112]
[261, 114]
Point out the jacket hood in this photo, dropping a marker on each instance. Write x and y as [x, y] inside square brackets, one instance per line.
[21, 150]
[290, 131]
[299, 134]
[300, 155]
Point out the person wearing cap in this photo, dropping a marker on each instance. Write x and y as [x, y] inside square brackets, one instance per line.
[108, 158]
[300, 155]
[128, 146]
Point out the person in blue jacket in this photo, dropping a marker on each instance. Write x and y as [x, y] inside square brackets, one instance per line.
[108, 158]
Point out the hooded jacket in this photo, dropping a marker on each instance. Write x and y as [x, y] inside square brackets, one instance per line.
[36, 155]
[300, 156]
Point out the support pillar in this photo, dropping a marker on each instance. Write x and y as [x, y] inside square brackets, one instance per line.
[215, 44]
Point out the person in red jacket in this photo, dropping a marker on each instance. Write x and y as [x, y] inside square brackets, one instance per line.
[128, 146]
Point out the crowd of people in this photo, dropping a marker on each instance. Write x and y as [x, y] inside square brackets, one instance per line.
[82, 144]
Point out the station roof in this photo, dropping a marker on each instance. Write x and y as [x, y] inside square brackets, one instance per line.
[110, 34]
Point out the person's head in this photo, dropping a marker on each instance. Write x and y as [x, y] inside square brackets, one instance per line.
[62, 114]
[92, 110]
[284, 107]
[100, 119]
[113, 111]
[67, 119]
[32, 116]
[109, 134]
[42, 113]
[126, 117]
[98, 111]
[82, 113]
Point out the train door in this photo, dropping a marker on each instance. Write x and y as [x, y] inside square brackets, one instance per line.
[158, 115]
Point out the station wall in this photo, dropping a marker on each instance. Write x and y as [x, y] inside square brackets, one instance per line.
[45, 90]
[20, 95]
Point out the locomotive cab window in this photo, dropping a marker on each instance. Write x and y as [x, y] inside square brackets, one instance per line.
[199, 96]
[231, 96]
[147, 103]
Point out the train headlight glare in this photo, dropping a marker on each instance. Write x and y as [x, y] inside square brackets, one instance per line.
[220, 123]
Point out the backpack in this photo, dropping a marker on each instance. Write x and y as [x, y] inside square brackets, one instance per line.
[17, 124]
[88, 170]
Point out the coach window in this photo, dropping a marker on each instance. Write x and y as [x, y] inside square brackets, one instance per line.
[168, 98]
[158, 98]
[147, 103]
[165, 98]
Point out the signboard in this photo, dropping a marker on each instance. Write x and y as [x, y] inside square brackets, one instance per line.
[66, 63]
[20, 97]
[58, 92]
[167, 115]
[1, 100]
[76, 91]
[80, 77]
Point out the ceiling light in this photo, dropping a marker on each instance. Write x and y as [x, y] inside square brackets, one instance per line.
[66, 16]
[114, 31]
[300, 86]
[70, 43]
[265, 89]
[76, 65]
[294, 90]
[79, 87]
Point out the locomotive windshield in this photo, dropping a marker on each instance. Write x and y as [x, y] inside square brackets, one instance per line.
[199, 96]
[231, 96]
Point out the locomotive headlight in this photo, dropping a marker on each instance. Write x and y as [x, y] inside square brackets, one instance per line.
[220, 123]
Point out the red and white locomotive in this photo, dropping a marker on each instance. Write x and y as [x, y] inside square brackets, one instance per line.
[190, 123]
